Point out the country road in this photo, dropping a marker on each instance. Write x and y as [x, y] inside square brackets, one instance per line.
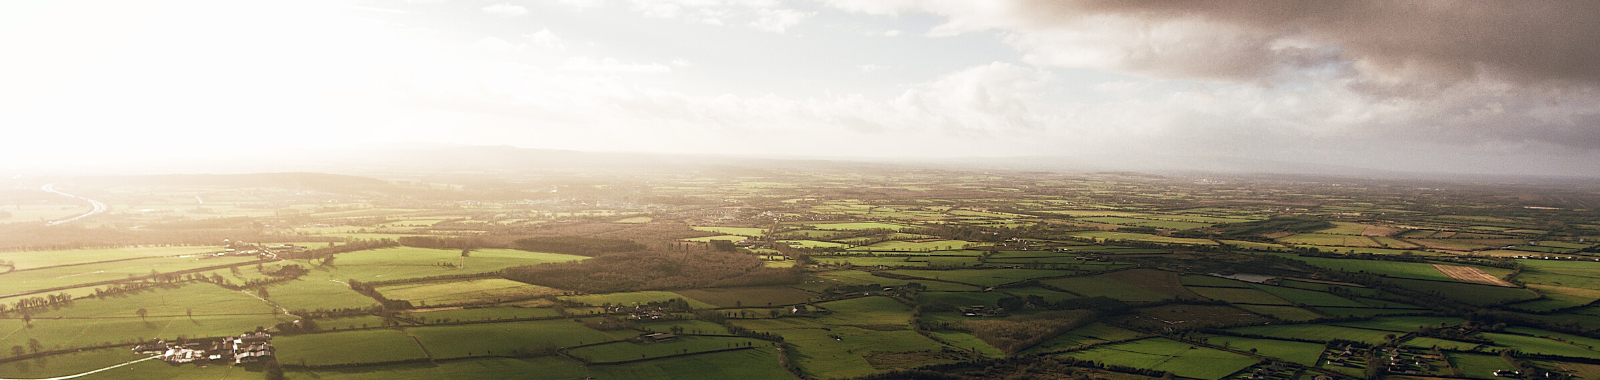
[98, 207]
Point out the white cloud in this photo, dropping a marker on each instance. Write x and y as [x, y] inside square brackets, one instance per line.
[611, 65]
[506, 10]
[867, 68]
[778, 20]
[546, 39]
[495, 44]
[891, 33]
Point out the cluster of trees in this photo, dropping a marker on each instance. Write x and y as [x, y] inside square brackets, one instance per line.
[577, 245]
[47, 301]
[650, 270]
[370, 290]
[441, 242]
[351, 246]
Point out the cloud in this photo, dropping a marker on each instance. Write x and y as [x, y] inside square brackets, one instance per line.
[611, 65]
[867, 68]
[495, 44]
[506, 10]
[1478, 74]
[778, 20]
[546, 39]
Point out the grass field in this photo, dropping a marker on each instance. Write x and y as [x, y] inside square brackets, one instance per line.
[866, 311]
[1211, 281]
[1047, 294]
[1317, 332]
[1109, 235]
[61, 276]
[855, 277]
[1426, 342]
[838, 351]
[36, 259]
[1240, 295]
[503, 338]
[1535, 345]
[408, 262]
[966, 341]
[1468, 293]
[1330, 240]
[487, 289]
[632, 298]
[751, 296]
[1478, 366]
[1294, 352]
[813, 244]
[1402, 324]
[982, 277]
[925, 246]
[1088, 334]
[861, 226]
[624, 351]
[1096, 286]
[1345, 228]
[317, 290]
[708, 239]
[537, 368]
[67, 364]
[1287, 313]
[733, 365]
[1182, 359]
[1161, 224]
[1423, 271]
[1572, 274]
[960, 298]
[1308, 297]
[366, 346]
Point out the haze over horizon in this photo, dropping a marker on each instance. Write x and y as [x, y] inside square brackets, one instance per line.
[1406, 86]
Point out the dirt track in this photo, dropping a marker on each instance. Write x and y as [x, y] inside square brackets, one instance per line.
[1470, 274]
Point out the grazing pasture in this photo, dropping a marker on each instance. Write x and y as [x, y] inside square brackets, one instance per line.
[1182, 359]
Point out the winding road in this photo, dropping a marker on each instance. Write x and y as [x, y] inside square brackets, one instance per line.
[98, 207]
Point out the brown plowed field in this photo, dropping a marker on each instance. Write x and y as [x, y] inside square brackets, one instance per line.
[1470, 274]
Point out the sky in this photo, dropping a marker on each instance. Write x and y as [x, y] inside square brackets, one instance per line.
[1426, 86]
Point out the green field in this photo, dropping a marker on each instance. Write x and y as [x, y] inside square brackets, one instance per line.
[1535, 345]
[68, 364]
[855, 277]
[1097, 286]
[982, 277]
[839, 351]
[708, 239]
[1287, 313]
[866, 311]
[813, 244]
[1479, 366]
[1109, 235]
[1088, 334]
[64, 276]
[408, 262]
[751, 296]
[350, 347]
[1239, 295]
[1398, 269]
[1211, 281]
[625, 351]
[1294, 352]
[479, 290]
[734, 365]
[1182, 359]
[960, 298]
[37, 259]
[1308, 297]
[1316, 332]
[1473, 294]
[918, 246]
[1402, 324]
[1161, 224]
[1426, 342]
[503, 338]
[1330, 240]
[966, 341]
[861, 226]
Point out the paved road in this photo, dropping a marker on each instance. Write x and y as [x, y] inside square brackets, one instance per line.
[98, 207]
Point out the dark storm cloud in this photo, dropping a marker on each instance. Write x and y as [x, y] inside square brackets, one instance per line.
[1544, 42]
